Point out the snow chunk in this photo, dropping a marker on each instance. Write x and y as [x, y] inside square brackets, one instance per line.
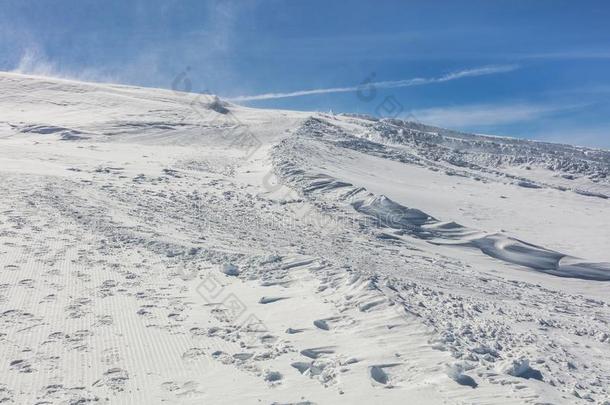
[521, 368]
[456, 373]
[273, 376]
[229, 269]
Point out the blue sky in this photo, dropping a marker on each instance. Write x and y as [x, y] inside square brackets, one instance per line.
[538, 69]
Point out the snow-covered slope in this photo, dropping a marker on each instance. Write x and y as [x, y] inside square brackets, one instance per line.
[158, 246]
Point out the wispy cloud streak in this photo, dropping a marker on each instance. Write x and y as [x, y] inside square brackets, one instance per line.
[418, 81]
[480, 115]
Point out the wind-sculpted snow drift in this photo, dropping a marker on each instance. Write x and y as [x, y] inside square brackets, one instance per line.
[502, 247]
[166, 247]
[417, 223]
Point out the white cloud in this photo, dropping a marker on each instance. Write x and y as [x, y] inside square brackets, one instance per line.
[483, 117]
[569, 54]
[481, 71]
[596, 137]
[485, 114]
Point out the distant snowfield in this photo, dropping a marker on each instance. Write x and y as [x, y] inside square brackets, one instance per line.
[165, 247]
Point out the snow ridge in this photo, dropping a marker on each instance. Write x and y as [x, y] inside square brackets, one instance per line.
[149, 254]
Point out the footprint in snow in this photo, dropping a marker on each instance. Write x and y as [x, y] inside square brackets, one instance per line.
[379, 375]
[193, 354]
[321, 324]
[243, 356]
[269, 300]
[22, 366]
[317, 352]
[301, 366]
[332, 322]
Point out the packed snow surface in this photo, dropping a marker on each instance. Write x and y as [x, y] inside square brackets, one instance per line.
[167, 247]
